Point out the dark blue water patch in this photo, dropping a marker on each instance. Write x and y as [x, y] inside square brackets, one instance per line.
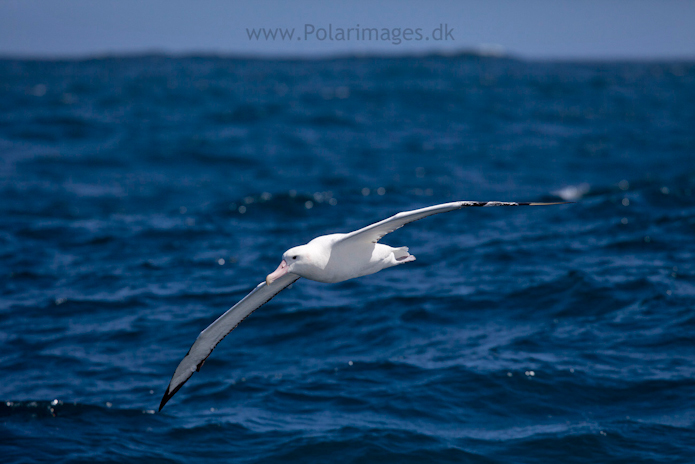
[141, 197]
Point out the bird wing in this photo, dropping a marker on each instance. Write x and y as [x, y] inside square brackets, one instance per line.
[376, 231]
[215, 332]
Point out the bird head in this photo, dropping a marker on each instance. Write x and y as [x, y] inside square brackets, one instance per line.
[295, 261]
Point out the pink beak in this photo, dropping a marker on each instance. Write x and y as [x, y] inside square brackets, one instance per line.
[279, 272]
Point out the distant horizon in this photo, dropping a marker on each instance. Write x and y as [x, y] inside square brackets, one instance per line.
[560, 30]
[341, 56]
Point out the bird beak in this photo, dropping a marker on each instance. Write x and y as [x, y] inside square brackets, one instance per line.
[279, 272]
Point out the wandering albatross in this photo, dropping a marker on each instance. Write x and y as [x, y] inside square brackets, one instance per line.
[328, 258]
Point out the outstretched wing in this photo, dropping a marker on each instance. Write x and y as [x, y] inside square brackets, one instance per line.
[374, 232]
[210, 337]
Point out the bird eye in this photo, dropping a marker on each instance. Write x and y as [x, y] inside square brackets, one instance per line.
[294, 257]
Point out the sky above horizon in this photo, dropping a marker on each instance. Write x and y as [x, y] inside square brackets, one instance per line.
[535, 29]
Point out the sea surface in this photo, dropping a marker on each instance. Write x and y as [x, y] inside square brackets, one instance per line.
[141, 197]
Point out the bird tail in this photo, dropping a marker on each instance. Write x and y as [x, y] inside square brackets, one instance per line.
[401, 254]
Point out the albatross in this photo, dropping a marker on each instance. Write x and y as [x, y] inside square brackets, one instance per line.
[329, 259]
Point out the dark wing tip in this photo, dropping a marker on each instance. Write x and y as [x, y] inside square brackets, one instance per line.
[513, 203]
[165, 399]
[168, 394]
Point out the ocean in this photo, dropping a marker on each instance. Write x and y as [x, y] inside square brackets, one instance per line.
[141, 197]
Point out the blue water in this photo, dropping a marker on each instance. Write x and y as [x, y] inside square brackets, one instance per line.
[142, 197]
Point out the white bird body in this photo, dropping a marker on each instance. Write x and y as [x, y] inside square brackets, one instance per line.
[329, 259]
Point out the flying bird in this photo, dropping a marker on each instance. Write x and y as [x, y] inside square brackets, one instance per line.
[328, 258]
